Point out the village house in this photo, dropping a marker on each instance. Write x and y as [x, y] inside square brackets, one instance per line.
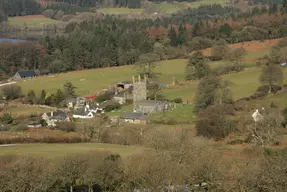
[83, 114]
[152, 106]
[20, 75]
[55, 117]
[134, 118]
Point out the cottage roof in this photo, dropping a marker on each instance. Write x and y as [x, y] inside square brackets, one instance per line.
[57, 114]
[81, 112]
[150, 102]
[25, 74]
[134, 116]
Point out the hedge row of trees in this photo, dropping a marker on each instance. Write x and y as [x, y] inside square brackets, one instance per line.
[178, 163]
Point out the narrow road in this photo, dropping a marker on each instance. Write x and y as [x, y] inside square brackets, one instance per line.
[10, 83]
[7, 145]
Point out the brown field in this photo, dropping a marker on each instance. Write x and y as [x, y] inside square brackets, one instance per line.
[250, 46]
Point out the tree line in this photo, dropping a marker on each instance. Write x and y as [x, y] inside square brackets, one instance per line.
[19, 7]
[113, 41]
[180, 163]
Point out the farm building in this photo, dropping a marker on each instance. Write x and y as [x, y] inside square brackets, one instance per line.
[24, 75]
[135, 118]
[83, 114]
[55, 116]
[152, 106]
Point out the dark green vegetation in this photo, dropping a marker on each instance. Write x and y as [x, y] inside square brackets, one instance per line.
[111, 41]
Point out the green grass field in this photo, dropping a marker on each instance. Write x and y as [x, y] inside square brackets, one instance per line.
[60, 150]
[208, 2]
[169, 7]
[121, 11]
[35, 21]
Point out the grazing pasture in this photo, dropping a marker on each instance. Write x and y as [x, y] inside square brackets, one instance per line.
[31, 21]
[61, 150]
[89, 81]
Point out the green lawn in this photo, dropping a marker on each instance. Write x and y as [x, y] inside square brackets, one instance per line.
[121, 11]
[36, 21]
[208, 2]
[169, 7]
[180, 114]
[244, 83]
[17, 110]
[89, 81]
[59, 150]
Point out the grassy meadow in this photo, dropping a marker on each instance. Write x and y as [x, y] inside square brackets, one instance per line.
[33, 21]
[167, 8]
[121, 10]
[61, 150]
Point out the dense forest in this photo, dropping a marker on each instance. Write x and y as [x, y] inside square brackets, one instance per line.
[98, 3]
[19, 7]
[113, 41]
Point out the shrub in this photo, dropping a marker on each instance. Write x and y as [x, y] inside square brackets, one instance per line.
[227, 69]
[212, 123]
[177, 100]
[7, 118]
[262, 91]
[111, 105]
[43, 123]
[275, 89]
[12, 91]
[19, 128]
[66, 126]
[104, 97]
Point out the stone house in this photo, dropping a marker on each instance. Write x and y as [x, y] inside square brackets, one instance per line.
[54, 117]
[83, 114]
[152, 106]
[20, 75]
[134, 118]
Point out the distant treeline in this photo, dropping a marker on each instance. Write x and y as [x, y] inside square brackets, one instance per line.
[99, 3]
[19, 7]
[265, 2]
[113, 41]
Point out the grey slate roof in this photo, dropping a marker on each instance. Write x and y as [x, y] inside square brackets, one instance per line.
[58, 114]
[81, 112]
[134, 116]
[25, 74]
[149, 102]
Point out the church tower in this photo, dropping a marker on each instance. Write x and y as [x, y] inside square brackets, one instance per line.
[139, 90]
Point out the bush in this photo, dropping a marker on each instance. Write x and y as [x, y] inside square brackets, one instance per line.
[12, 92]
[275, 89]
[104, 97]
[177, 100]
[212, 123]
[262, 91]
[111, 105]
[66, 126]
[19, 128]
[7, 118]
[227, 69]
